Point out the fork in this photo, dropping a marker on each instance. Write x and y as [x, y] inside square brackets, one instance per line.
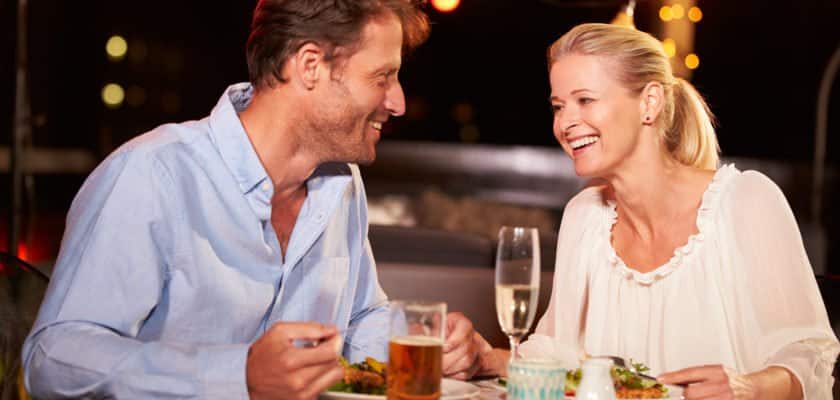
[619, 362]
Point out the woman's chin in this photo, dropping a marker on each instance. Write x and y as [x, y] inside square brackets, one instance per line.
[585, 169]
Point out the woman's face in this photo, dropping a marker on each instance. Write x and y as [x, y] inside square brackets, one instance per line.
[596, 120]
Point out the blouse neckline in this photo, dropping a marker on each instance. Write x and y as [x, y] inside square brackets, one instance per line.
[681, 254]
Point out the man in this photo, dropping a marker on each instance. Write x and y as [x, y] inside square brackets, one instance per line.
[198, 254]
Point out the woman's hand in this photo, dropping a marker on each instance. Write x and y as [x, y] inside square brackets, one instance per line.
[713, 382]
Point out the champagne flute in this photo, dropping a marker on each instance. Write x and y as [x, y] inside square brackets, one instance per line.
[517, 281]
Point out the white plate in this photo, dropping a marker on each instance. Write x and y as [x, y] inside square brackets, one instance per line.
[452, 390]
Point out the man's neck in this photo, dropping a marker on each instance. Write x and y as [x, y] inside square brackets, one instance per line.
[273, 125]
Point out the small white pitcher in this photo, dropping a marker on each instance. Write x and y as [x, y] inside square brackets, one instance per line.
[596, 382]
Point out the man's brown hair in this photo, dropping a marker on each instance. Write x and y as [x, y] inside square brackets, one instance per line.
[281, 27]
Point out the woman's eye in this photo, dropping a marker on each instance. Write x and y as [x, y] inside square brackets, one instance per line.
[585, 100]
[555, 108]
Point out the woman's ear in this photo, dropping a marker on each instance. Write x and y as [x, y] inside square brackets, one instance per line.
[652, 97]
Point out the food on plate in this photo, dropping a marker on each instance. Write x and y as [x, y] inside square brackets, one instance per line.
[366, 377]
[628, 383]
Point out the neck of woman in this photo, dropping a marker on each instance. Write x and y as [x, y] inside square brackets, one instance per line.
[654, 193]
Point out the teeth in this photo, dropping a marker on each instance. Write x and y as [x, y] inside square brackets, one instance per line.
[578, 143]
[376, 125]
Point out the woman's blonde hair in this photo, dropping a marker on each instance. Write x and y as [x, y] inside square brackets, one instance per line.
[638, 59]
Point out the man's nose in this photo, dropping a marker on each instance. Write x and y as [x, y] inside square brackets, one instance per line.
[395, 100]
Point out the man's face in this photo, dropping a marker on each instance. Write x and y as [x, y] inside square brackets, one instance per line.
[360, 94]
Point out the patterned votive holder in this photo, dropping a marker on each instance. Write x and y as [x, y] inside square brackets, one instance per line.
[535, 379]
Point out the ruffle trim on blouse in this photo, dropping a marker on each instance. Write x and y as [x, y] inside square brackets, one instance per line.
[704, 220]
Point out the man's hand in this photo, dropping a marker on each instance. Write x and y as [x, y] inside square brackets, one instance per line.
[276, 369]
[462, 348]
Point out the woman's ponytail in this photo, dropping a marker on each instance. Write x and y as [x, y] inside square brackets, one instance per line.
[691, 138]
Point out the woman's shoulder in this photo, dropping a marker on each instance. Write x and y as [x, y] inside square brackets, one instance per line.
[743, 188]
[751, 197]
[590, 198]
[589, 203]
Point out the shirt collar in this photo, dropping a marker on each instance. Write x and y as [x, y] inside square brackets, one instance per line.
[232, 141]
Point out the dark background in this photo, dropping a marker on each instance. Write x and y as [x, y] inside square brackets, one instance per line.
[760, 66]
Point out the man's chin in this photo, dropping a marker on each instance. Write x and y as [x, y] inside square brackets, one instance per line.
[368, 160]
[366, 157]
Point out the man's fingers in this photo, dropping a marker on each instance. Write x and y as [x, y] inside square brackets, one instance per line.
[322, 354]
[455, 363]
[459, 329]
[461, 376]
[463, 369]
[288, 331]
[455, 354]
[323, 380]
[459, 358]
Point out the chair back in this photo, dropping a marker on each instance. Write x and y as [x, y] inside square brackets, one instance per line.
[22, 288]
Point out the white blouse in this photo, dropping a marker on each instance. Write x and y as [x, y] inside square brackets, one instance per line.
[740, 292]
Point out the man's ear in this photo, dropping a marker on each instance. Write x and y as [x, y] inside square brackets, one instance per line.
[307, 65]
[651, 101]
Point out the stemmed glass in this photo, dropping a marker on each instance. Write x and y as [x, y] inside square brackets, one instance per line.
[517, 281]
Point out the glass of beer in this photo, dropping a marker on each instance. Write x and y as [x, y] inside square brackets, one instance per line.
[415, 350]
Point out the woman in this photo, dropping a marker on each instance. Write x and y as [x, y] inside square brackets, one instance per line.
[694, 270]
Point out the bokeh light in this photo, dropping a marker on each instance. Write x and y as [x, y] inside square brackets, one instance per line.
[445, 5]
[692, 61]
[677, 11]
[113, 95]
[116, 47]
[665, 13]
[670, 47]
[694, 14]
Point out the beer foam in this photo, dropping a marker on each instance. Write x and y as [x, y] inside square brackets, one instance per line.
[416, 340]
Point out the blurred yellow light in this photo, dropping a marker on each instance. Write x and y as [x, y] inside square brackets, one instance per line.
[694, 14]
[113, 95]
[665, 13]
[116, 47]
[692, 61]
[445, 5]
[670, 47]
[677, 11]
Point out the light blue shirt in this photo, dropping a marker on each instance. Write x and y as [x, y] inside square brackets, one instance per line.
[170, 268]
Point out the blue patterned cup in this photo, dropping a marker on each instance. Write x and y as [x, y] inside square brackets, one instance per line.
[533, 379]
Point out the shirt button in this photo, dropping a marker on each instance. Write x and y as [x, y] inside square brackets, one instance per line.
[265, 187]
